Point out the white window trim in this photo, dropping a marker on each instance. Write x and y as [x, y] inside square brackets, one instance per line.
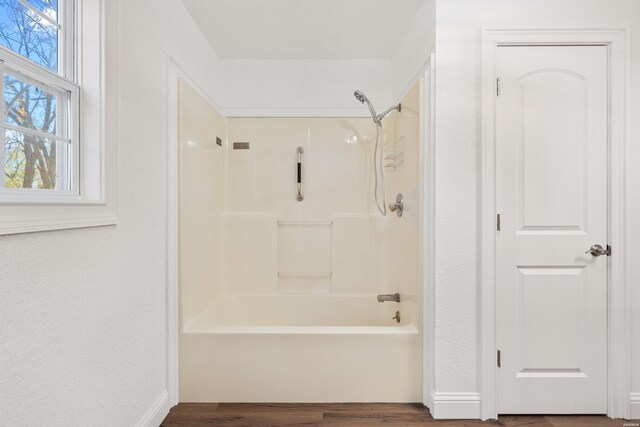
[95, 203]
[35, 75]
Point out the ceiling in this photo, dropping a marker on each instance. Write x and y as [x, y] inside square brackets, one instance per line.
[303, 29]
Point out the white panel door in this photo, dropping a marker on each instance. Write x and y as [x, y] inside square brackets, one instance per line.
[551, 189]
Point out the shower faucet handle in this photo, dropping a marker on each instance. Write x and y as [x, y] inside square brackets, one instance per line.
[398, 206]
[396, 317]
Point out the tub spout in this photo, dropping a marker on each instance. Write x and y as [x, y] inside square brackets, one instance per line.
[389, 297]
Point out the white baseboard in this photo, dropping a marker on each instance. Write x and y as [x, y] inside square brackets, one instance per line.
[427, 400]
[635, 406]
[456, 405]
[157, 412]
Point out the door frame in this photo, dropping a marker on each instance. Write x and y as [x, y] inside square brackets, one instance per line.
[618, 305]
[427, 184]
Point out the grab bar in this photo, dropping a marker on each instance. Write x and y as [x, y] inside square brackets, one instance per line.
[300, 197]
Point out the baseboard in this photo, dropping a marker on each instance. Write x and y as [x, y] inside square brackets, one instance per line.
[635, 406]
[467, 405]
[427, 400]
[456, 405]
[157, 412]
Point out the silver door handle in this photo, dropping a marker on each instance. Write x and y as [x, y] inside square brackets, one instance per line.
[597, 250]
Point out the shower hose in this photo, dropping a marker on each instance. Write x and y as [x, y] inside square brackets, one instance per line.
[378, 166]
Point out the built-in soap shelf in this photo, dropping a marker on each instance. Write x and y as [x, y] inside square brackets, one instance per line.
[304, 256]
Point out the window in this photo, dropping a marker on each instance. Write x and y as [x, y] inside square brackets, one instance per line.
[40, 108]
[57, 118]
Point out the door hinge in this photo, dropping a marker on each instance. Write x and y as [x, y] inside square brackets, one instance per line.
[498, 86]
[498, 222]
[498, 359]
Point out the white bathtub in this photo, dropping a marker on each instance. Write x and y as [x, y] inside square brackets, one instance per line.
[289, 348]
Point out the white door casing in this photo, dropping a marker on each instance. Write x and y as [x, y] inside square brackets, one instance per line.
[551, 194]
[617, 41]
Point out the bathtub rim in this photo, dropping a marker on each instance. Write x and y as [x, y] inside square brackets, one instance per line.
[409, 329]
[198, 326]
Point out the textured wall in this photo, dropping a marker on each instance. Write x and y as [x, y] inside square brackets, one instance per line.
[458, 139]
[82, 312]
[412, 53]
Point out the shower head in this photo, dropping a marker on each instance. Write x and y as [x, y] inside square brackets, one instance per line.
[363, 99]
[360, 96]
[377, 119]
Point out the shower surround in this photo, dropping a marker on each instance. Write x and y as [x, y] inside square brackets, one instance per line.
[278, 296]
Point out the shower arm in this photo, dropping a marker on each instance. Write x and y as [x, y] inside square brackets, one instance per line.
[379, 117]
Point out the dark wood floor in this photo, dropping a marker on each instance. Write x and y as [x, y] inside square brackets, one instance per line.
[354, 415]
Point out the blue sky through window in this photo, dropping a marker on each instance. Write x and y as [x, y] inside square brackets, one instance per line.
[27, 33]
[48, 7]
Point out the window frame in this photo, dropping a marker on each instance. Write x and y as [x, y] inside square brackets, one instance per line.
[17, 65]
[94, 92]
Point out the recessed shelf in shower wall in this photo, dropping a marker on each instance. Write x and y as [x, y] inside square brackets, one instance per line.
[304, 256]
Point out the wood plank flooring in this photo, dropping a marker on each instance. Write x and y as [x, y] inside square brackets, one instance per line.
[355, 415]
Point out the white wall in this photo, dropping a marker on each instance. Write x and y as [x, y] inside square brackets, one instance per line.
[412, 53]
[458, 137]
[82, 312]
[254, 87]
[302, 88]
[184, 43]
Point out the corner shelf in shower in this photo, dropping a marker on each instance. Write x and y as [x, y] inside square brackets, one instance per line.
[394, 144]
[394, 153]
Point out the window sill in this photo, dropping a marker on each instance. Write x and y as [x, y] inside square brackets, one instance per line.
[52, 224]
[46, 198]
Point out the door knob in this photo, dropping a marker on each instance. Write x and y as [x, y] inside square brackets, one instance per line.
[597, 250]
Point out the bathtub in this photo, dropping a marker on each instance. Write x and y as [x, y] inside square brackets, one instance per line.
[300, 348]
